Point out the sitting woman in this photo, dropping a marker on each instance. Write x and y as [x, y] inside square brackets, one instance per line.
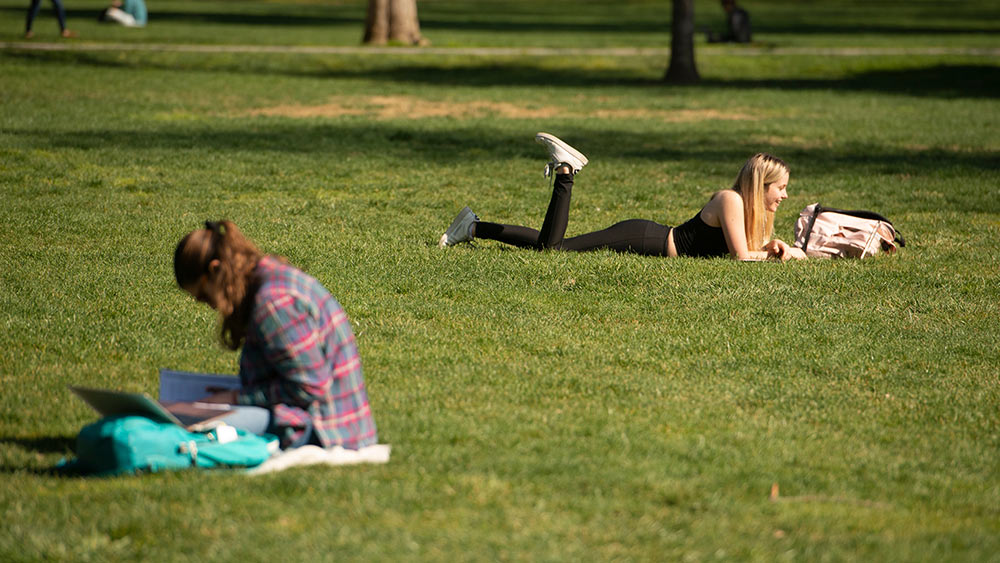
[130, 13]
[299, 366]
[737, 222]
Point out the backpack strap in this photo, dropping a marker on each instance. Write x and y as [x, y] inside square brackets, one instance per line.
[191, 448]
[899, 238]
[809, 227]
[863, 214]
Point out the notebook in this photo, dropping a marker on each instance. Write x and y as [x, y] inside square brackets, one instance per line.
[194, 416]
[191, 386]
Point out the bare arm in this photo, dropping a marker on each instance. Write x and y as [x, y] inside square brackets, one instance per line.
[727, 208]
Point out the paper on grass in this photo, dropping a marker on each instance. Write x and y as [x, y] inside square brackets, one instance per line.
[178, 386]
[315, 455]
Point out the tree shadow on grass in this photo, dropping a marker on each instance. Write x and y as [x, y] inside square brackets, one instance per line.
[412, 140]
[939, 81]
[400, 144]
[493, 72]
[855, 28]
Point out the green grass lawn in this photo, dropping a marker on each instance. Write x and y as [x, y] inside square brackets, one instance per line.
[559, 23]
[541, 406]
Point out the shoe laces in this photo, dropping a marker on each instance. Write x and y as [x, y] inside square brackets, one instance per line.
[551, 167]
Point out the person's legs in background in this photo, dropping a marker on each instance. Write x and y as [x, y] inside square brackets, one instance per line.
[35, 7]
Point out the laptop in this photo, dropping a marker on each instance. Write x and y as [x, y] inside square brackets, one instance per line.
[194, 416]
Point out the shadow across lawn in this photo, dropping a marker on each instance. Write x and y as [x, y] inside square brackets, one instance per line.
[493, 72]
[941, 81]
[857, 28]
[661, 25]
[394, 143]
[413, 141]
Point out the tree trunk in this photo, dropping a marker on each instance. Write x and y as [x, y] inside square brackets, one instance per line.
[393, 20]
[682, 69]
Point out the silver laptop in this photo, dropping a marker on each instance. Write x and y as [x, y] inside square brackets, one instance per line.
[193, 416]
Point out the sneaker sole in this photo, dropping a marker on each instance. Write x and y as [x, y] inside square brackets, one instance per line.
[451, 232]
[562, 144]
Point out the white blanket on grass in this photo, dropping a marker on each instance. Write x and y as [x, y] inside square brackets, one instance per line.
[315, 455]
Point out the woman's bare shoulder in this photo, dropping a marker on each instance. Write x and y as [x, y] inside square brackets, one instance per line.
[721, 202]
[726, 197]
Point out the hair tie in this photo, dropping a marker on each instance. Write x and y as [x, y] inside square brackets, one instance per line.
[215, 228]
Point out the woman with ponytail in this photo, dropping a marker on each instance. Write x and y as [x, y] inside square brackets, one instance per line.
[299, 365]
[737, 222]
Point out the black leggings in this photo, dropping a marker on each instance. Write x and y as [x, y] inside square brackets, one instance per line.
[636, 236]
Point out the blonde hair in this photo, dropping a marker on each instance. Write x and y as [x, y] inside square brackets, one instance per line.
[760, 170]
[233, 285]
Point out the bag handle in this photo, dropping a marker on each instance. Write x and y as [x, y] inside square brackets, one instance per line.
[809, 227]
[860, 213]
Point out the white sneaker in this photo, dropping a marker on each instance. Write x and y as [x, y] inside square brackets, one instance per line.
[120, 16]
[560, 153]
[459, 230]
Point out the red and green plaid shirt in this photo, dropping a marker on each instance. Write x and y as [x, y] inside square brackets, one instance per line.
[300, 360]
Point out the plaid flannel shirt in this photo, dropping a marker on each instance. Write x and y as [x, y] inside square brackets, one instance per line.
[300, 361]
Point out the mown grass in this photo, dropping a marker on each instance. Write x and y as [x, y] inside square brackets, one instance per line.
[493, 23]
[541, 406]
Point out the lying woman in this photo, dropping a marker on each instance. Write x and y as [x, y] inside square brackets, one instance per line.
[737, 222]
[299, 365]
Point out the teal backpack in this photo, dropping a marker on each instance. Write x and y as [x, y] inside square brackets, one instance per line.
[132, 444]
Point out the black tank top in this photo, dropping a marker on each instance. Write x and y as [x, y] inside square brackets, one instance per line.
[696, 238]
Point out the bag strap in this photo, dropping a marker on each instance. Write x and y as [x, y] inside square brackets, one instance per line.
[861, 213]
[809, 227]
[191, 448]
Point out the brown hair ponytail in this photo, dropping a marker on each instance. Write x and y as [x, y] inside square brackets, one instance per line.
[233, 282]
